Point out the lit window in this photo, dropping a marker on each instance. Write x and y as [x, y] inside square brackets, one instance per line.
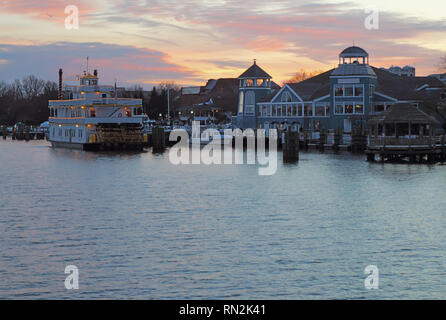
[249, 82]
[240, 103]
[359, 109]
[348, 108]
[339, 91]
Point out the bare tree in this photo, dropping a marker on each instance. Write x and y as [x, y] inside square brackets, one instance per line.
[32, 87]
[303, 75]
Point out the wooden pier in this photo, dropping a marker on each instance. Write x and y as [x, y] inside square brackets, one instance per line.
[404, 133]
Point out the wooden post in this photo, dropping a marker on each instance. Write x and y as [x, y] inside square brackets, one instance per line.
[27, 135]
[322, 140]
[158, 140]
[4, 132]
[291, 147]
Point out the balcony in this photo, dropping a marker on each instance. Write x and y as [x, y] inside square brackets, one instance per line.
[95, 102]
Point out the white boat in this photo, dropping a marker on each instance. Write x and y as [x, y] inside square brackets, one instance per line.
[92, 117]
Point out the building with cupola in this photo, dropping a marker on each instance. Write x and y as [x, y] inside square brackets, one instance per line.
[341, 98]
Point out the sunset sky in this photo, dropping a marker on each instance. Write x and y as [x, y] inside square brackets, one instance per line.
[188, 42]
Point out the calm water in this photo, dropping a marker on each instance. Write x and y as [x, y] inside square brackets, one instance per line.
[138, 227]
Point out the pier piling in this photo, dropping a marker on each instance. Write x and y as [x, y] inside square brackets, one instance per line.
[291, 146]
[158, 140]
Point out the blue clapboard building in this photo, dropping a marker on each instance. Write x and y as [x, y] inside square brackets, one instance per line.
[341, 98]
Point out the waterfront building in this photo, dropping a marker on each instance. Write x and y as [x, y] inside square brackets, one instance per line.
[214, 102]
[341, 98]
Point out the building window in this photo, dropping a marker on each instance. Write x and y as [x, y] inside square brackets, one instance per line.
[322, 110]
[372, 90]
[359, 109]
[274, 111]
[249, 82]
[293, 110]
[250, 103]
[240, 103]
[348, 91]
[308, 110]
[377, 108]
[339, 91]
[348, 109]
[286, 97]
[339, 109]
[300, 110]
[359, 91]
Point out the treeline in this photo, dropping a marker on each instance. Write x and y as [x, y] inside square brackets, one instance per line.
[26, 100]
[155, 101]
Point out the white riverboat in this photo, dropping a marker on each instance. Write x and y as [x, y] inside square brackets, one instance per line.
[89, 116]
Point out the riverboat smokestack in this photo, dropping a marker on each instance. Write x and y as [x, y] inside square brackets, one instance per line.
[60, 84]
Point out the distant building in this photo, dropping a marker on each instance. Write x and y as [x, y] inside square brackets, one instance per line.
[407, 71]
[439, 76]
[216, 101]
[341, 98]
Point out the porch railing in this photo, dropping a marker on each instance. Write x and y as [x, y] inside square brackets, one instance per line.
[402, 141]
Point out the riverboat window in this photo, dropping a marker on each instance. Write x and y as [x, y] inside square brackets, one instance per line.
[80, 133]
[92, 113]
[260, 82]
[60, 132]
[249, 82]
[348, 91]
[274, 111]
[372, 90]
[359, 91]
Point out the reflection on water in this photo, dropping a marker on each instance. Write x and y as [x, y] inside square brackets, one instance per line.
[138, 227]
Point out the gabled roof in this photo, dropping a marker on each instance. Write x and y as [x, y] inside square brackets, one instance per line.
[403, 112]
[255, 72]
[313, 88]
